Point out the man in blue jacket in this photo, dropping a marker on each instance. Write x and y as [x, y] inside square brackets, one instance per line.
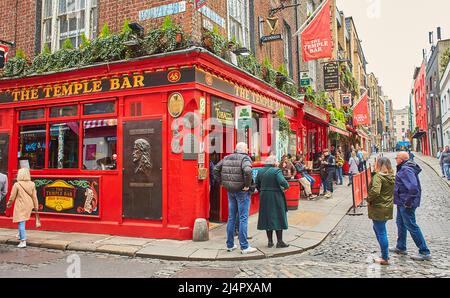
[407, 195]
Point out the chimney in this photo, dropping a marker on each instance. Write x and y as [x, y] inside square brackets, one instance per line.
[430, 37]
[439, 36]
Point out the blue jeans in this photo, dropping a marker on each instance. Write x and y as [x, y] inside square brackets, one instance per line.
[309, 178]
[340, 176]
[22, 234]
[380, 231]
[446, 169]
[406, 221]
[238, 203]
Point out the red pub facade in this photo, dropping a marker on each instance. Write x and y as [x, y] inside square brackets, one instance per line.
[125, 148]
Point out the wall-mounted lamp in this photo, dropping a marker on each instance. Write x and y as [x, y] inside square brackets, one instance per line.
[242, 51]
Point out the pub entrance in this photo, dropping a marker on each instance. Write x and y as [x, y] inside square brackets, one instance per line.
[142, 169]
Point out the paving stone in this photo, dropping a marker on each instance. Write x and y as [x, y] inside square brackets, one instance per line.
[168, 253]
[204, 254]
[124, 241]
[118, 249]
[55, 244]
[83, 246]
[237, 256]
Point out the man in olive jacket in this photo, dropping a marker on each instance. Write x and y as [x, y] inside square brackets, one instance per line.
[235, 174]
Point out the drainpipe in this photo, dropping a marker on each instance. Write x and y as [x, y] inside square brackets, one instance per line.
[298, 43]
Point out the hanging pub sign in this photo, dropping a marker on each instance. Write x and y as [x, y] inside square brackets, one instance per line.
[223, 110]
[243, 117]
[68, 195]
[331, 76]
[346, 99]
[83, 87]
[272, 37]
[305, 80]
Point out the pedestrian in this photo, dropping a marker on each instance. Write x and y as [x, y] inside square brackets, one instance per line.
[3, 186]
[407, 195]
[339, 165]
[438, 156]
[287, 167]
[381, 204]
[360, 155]
[323, 170]
[24, 194]
[302, 175]
[271, 185]
[353, 163]
[330, 163]
[444, 166]
[235, 174]
[446, 163]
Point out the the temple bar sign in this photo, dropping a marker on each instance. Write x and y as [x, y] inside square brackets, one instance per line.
[124, 82]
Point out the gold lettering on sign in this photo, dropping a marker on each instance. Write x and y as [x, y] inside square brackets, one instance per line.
[78, 88]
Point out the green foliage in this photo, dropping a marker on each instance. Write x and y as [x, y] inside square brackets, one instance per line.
[268, 73]
[105, 31]
[284, 125]
[283, 70]
[214, 42]
[16, 66]
[250, 64]
[445, 59]
[169, 37]
[67, 44]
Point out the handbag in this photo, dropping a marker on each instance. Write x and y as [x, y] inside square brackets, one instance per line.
[37, 218]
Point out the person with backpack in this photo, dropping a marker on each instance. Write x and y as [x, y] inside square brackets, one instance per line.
[339, 165]
[360, 156]
[23, 193]
[330, 163]
[235, 174]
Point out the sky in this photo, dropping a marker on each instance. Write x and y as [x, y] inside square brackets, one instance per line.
[393, 34]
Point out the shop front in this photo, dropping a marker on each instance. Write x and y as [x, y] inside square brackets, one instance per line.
[315, 130]
[126, 148]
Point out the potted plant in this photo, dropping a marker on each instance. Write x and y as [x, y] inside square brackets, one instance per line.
[16, 66]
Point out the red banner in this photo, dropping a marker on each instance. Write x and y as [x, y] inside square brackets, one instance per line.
[317, 40]
[361, 111]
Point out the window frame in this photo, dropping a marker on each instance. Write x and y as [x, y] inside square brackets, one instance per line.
[90, 22]
[80, 118]
[244, 22]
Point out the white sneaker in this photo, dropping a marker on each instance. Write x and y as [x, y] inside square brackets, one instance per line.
[22, 244]
[249, 250]
[233, 248]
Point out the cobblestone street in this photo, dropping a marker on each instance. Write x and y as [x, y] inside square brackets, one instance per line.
[346, 252]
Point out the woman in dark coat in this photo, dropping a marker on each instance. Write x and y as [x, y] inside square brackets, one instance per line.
[272, 208]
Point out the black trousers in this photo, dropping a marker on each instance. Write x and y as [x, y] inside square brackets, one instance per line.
[330, 178]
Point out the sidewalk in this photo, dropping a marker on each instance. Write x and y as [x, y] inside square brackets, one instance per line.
[433, 163]
[308, 227]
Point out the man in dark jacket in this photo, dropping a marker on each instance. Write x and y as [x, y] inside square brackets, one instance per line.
[235, 174]
[330, 163]
[407, 194]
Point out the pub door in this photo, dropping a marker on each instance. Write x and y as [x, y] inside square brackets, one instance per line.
[218, 211]
[142, 169]
[4, 149]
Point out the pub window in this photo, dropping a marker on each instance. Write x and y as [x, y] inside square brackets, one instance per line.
[68, 19]
[99, 144]
[105, 107]
[63, 146]
[31, 114]
[32, 146]
[65, 111]
[238, 16]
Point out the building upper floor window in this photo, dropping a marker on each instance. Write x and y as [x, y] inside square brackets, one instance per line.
[238, 21]
[68, 19]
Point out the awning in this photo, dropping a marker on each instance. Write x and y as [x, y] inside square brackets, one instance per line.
[339, 130]
[99, 123]
[419, 134]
